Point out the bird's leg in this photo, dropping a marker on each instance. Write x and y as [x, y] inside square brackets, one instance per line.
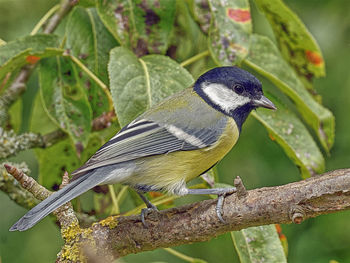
[220, 192]
[145, 211]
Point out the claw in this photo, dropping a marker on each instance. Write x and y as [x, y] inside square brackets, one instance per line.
[218, 208]
[220, 203]
[145, 212]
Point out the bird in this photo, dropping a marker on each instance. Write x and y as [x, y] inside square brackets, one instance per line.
[170, 144]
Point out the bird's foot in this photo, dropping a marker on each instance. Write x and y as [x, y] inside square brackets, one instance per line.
[220, 192]
[220, 203]
[146, 211]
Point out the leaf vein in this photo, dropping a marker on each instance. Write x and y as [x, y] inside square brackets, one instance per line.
[148, 83]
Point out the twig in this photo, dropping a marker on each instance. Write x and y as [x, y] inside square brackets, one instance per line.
[196, 222]
[43, 20]
[115, 207]
[195, 58]
[122, 193]
[65, 7]
[13, 92]
[11, 143]
[183, 256]
[14, 191]
[241, 191]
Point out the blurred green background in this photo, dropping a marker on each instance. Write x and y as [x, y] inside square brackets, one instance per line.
[259, 161]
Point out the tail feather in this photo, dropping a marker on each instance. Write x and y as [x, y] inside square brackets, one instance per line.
[57, 199]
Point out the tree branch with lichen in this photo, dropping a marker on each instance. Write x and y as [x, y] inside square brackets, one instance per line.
[11, 143]
[117, 236]
[14, 191]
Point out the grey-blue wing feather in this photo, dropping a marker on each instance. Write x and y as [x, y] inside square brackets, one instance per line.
[183, 122]
[147, 138]
[64, 195]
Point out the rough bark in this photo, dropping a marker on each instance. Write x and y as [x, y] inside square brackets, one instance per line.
[118, 236]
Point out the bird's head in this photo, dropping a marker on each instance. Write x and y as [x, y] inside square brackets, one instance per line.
[233, 91]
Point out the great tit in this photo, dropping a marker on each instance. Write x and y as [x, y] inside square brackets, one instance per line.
[170, 144]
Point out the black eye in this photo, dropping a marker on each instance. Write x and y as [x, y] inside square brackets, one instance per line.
[238, 89]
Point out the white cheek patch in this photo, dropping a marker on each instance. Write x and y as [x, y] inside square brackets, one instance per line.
[223, 97]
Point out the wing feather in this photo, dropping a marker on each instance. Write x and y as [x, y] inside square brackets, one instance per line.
[146, 140]
[146, 137]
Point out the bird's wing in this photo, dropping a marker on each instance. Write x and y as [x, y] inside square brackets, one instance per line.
[143, 138]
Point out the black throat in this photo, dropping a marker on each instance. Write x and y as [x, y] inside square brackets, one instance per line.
[240, 114]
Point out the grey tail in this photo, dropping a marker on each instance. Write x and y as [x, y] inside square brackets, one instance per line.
[57, 199]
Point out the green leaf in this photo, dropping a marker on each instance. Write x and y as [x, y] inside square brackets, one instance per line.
[2, 42]
[95, 142]
[188, 38]
[64, 98]
[60, 157]
[40, 122]
[296, 43]
[87, 3]
[143, 26]
[258, 244]
[201, 12]
[90, 41]
[265, 58]
[230, 30]
[54, 161]
[290, 133]
[15, 113]
[138, 83]
[27, 50]
[190, 42]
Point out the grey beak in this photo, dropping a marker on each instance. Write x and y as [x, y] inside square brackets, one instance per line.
[265, 103]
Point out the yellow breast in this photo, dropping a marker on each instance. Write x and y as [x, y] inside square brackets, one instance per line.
[165, 171]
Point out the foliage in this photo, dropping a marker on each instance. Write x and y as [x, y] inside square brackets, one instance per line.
[137, 48]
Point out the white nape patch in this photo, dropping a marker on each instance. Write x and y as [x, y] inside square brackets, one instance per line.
[223, 97]
[184, 136]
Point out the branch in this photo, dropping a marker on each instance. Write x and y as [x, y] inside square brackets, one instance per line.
[11, 143]
[55, 20]
[19, 84]
[9, 186]
[117, 236]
